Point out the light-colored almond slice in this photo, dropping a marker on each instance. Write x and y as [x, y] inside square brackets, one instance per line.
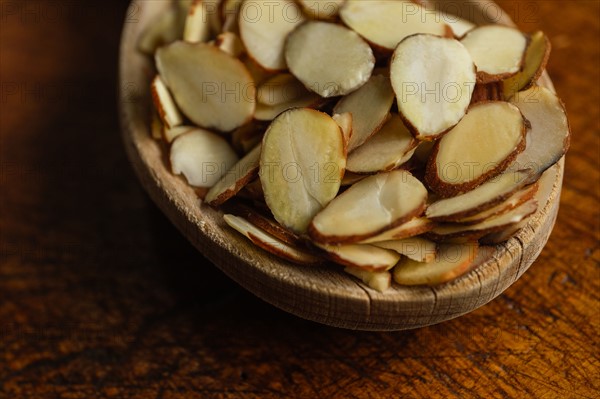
[433, 78]
[197, 26]
[202, 157]
[164, 29]
[549, 137]
[362, 256]
[269, 225]
[498, 51]
[242, 173]
[264, 27]
[386, 150]
[409, 229]
[171, 134]
[481, 146]
[515, 200]
[212, 88]
[164, 104]
[415, 248]
[386, 23]
[452, 261]
[269, 112]
[484, 197]
[326, 10]
[370, 207]
[329, 59]
[370, 107]
[280, 89]
[379, 281]
[269, 243]
[301, 166]
[536, 58]
[458, 25]
[475, 231]
[230, 43]
[345, 122]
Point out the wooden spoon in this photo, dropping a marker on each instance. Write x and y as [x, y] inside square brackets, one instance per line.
[323, 294]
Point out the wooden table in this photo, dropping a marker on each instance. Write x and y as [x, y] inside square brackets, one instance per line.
[101, 297]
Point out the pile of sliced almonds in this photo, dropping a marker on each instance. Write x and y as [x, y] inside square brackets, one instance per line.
[377, 134]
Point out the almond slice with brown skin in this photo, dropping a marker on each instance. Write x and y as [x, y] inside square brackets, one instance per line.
[483, 144]
[479, 199]
[280, 89]
[212, 88]
[264, 27]
[326, 10]
[235, 179]
[515, 200]
[301, 166]
[269, 243]
[475, 231]
[329, 59]
[269, 225]
[230, 43]
[269, 112]
[498, 51]
[389, 148]
[361, 256]
[549, 137]
[409, 229]
[369, 207]
[202, 157]
[415, 248]
[164, 104]
[385, 23]
[370, 107]
[433, 78]
[452, 261]
[197, 26]
[379, 281]
[536, 58]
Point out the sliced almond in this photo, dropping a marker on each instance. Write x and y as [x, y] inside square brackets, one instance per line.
[164, 104]
[370, 106]
[269, 112]
[515, 200]
[433, 78]
[202, 157]
[409, 229]
[498, 51]
[415, 248]
[458, 25]
[230, 43]
[536, 58]
[197, 26]
[157, 128]
[264, 27]
[487, 92]
[481, 146]
[171, 134]
[269, 225]
[280, 89]
[490, 225]
[326, 10]
[362, 256]
[369, 207]
[301, 166]
[386, 150]
[269, 243]
[345, 122]
[329, 59]
[452, 261]
[212, 88]
[479, 199]
[235, 179]
[386, 23]
[379, 281]
[549, 137]
[164, 29]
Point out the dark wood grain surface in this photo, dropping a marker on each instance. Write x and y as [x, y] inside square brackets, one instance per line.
[101, 297]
